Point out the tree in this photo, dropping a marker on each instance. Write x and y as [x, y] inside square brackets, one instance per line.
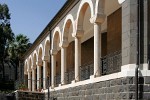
[6, 34]
[17, 48]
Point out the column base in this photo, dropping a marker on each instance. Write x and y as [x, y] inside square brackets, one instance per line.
[61, 85]
[52, 87]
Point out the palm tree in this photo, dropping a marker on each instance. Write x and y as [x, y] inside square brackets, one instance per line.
[16, 50]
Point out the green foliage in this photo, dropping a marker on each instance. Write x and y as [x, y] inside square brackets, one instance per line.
[6, 34]
[6, 91]
[12, 47]
[22, 86]
[18, 47]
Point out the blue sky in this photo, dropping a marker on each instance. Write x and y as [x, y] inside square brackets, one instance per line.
[30, 17]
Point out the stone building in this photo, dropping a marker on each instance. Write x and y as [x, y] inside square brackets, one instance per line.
[89, 52]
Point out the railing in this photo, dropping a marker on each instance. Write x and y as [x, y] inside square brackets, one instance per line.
[36, 83]
[111, 63]
[69, 76]
[57, 80]
[86, 71]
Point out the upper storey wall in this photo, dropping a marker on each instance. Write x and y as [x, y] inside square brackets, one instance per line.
[72, 14]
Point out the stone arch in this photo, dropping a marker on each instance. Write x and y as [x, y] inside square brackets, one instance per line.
[56, 38]
[30, 62]
[35, 57]
[40, 52]
[40, 64]
[26, 72]
[30, 70]
[81, 12]
[46, 47]
[67, 24]
[25, 67]
[47, 68]
[68, 43]
[85, 34]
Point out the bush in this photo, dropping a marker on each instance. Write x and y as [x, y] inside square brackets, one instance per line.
[22, 87]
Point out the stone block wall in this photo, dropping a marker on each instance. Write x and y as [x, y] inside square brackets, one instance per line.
[22, 95]
[2, 96]
[116, 89]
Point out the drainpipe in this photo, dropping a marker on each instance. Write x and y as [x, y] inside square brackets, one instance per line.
[49, 68]
[139, 25]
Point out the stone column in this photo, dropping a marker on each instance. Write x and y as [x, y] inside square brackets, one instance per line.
[53, 67]
[77, 58]
[33, 78]
[97, 20]
[97, 49]
[45, 70]
[63, 46]
[29, 80]
[78, 36]
[39, 64]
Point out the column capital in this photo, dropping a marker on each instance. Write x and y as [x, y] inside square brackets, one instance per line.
[54, 52]
[33, 67]
[78, 33]
[98, 18]
[45, 58]
[39, 62]
[29, 70]
[25, 72]
[64, 44]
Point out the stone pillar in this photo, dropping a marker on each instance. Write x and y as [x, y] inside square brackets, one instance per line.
[129, 32]
[33, 77]
[29, 80]
[77, 58]
[45, 70]
[39, 64]
[97, 20]
[78, 36]
[97, 49]
[53, 67]
[63, 46]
